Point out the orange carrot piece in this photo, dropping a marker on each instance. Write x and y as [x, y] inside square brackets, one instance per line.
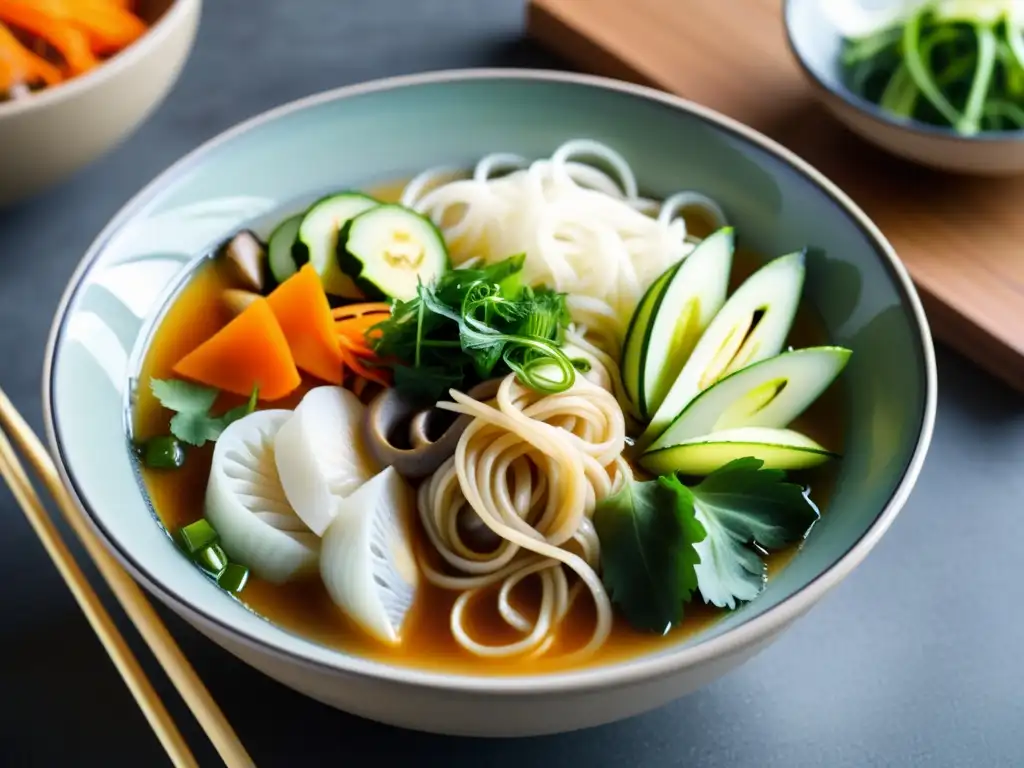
[20, 66]
[349, 344]
[71, 43]
[249, 351]
[357, 310]
[301, 307]
[373, 374]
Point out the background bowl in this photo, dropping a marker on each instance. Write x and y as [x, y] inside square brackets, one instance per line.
[391, 129]
[816, 43]
[49, 135]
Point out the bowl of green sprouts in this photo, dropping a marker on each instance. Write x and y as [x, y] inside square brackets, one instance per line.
[939, 82]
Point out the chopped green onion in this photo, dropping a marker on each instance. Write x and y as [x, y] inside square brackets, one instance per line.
[211, 559]
[581, 364]
[163, 452]
[195, 536]
[234, 578]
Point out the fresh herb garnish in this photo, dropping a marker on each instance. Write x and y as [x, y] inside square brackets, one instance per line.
[472, 325]
[661, 540]
[740, 505]
[648, 531]
[192, 422]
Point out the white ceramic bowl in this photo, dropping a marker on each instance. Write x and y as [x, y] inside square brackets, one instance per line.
[816, 43]
[366, 134]
[49, 135]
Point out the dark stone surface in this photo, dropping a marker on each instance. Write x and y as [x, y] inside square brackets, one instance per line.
[914, 660]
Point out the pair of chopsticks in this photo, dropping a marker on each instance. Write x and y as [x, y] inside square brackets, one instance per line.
[127, 592]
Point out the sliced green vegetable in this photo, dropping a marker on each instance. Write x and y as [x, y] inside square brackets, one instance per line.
[197, 536]
[777, 448]
[280, 261]
[318, 239]
[211, 559]
[390, 250]
[648, 531]
[163, 452]
[233, 578]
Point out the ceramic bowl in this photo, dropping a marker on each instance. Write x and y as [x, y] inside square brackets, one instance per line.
[816, 43]
[387, 130]
[49, 135]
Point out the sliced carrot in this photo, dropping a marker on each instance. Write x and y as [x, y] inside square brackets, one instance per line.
[373, 374]
[350, 345]
[71, 43]
[357, 310]
[251, 350]
[20, 66]
[301, 307]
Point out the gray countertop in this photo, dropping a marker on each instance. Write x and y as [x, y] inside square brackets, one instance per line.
[915, 660]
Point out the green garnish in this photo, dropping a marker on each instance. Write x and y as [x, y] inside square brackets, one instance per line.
[211, 559]
[473, 325]
[950, 63]
[195, 536]
[163, 452]
[192, 422]
[202, 544]
[234, 578]
[661, 539]
[742, 505]
[648, 531]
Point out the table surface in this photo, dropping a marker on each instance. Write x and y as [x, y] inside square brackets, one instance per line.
[914, 660]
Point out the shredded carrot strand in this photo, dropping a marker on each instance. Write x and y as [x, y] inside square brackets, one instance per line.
[80, 32]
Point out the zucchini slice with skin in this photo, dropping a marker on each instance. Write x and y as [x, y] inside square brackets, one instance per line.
[770, 393]
[691, 299]
[777, 448]
[389, 250]
[318, 236]
[752, 326]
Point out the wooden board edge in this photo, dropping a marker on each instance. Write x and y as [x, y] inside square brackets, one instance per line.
[548, 27]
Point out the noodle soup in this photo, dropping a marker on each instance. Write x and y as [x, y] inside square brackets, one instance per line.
[360, 511]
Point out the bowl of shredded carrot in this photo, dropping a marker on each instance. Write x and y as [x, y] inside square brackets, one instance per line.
[78, 76]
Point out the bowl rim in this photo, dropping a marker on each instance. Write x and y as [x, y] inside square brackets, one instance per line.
[749, 633]
[875, 112]
[177, 12]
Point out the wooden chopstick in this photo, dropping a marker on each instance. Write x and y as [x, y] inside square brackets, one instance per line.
[128, 593]
[159, 719]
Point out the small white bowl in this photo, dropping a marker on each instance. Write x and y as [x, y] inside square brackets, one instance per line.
[816, 43]
[48, 136]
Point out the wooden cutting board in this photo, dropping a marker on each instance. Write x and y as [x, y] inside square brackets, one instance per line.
[961, 238]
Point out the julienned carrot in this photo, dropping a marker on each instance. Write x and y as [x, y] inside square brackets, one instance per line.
[301, 307]
[251, 350]
[80, 31]
[70, 42]
[378, 375]
[20, 66]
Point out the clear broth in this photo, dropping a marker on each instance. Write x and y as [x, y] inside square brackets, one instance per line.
[304, 607]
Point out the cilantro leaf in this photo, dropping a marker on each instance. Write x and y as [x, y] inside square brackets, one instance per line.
[195, 428]
[183, 396]
[647, 533]
[740, 505]
[192, 422]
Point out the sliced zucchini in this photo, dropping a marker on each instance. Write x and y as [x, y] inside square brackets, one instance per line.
[317, 241]
[692, 298]
[752, 326]
[390, 250]
[770, 393]
[279, 251]
[632, 348]
[777, 448]
[247, 257]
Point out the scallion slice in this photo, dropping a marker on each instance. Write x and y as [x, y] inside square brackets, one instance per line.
[197, 536]
[234, 578]
[211, 559]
